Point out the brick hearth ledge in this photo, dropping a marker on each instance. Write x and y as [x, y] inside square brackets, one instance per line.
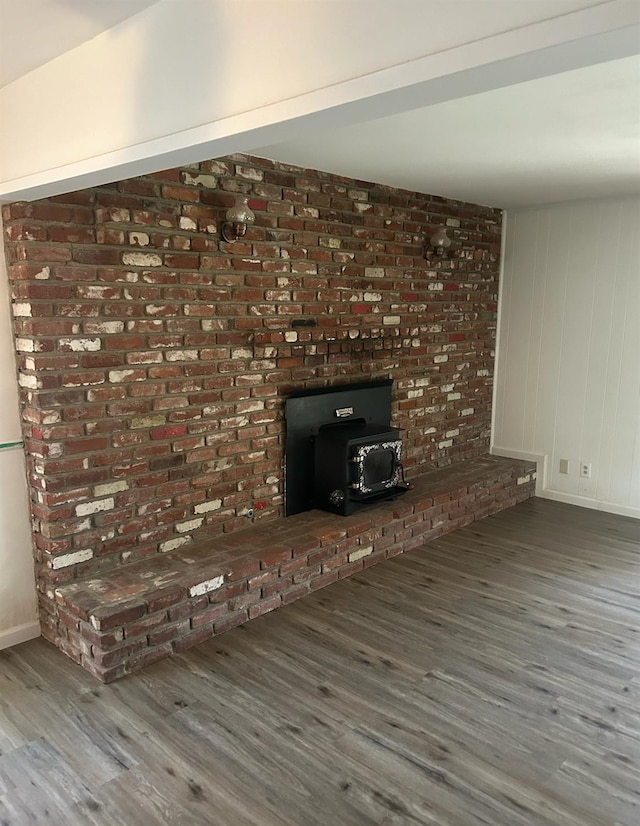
[125, 619]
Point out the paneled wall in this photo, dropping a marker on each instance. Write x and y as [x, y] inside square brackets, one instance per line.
[568, 373]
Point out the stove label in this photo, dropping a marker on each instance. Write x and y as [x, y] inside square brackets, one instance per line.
[343, 412]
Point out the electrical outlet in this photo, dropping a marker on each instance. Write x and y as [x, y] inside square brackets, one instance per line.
[585, 470]
[564, 466]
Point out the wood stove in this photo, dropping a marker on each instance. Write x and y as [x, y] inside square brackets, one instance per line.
[342, 452]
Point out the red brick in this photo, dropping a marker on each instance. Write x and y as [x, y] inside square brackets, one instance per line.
[264, 607]
[209, 616]
[276, 587]
[115, 656]
[321, 556]
[294, 593]
[256, 582]
[323, 581]
[142, 660]
[194, 638]
[105, 675]
[112, 616]
[232, 621]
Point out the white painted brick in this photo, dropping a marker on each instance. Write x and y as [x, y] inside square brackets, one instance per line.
[360, 553]
[181, 355]
[249, 172]
[522, 480]
[141, 259]
[374, 272]
[209, 181]
[391, 319]
[452, 397]
[141, 239]
[110, 487]
[26, 345]
[64, 560]
[451, 433]
[22, 309]
[291, 336]
[81, 345]
[87, 508]
[445, 443]
[206, 507]
[207, 586]
[119, 375]
[188, 224]
[103, 326]
[467, 411]
[440, 359]
[30, 382]
[172, 544]
[148, 421]
[250, 406]
[51, 417]
[44, 273]
[152, 309]
[373, 296]
[435, 286]
[482, 373]
[189, 525]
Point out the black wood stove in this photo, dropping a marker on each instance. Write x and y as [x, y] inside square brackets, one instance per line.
[341, 451]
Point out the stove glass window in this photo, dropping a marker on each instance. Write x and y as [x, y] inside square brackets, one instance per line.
[378, 467]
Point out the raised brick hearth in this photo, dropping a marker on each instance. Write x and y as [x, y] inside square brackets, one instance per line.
[154, 361]
[121, 621]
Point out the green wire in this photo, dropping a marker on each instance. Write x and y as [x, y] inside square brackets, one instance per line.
[10, 444]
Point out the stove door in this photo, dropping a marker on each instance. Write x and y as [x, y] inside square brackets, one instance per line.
[375, 467]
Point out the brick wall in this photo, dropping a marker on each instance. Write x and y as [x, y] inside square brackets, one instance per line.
[154, 359]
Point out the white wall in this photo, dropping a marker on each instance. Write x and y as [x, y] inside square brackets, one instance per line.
[171, 86]
[18, 611]
[568, 370]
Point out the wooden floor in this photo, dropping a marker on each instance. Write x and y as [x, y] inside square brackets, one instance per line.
[492, 677]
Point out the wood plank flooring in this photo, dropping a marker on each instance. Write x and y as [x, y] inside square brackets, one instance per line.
[491, 677]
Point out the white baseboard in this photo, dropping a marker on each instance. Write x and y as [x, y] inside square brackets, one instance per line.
[18, 634]
[593, 504]
[544, 492]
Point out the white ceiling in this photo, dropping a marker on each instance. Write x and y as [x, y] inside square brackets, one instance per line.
[33, 32]
[564, 137]
[567, 136]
